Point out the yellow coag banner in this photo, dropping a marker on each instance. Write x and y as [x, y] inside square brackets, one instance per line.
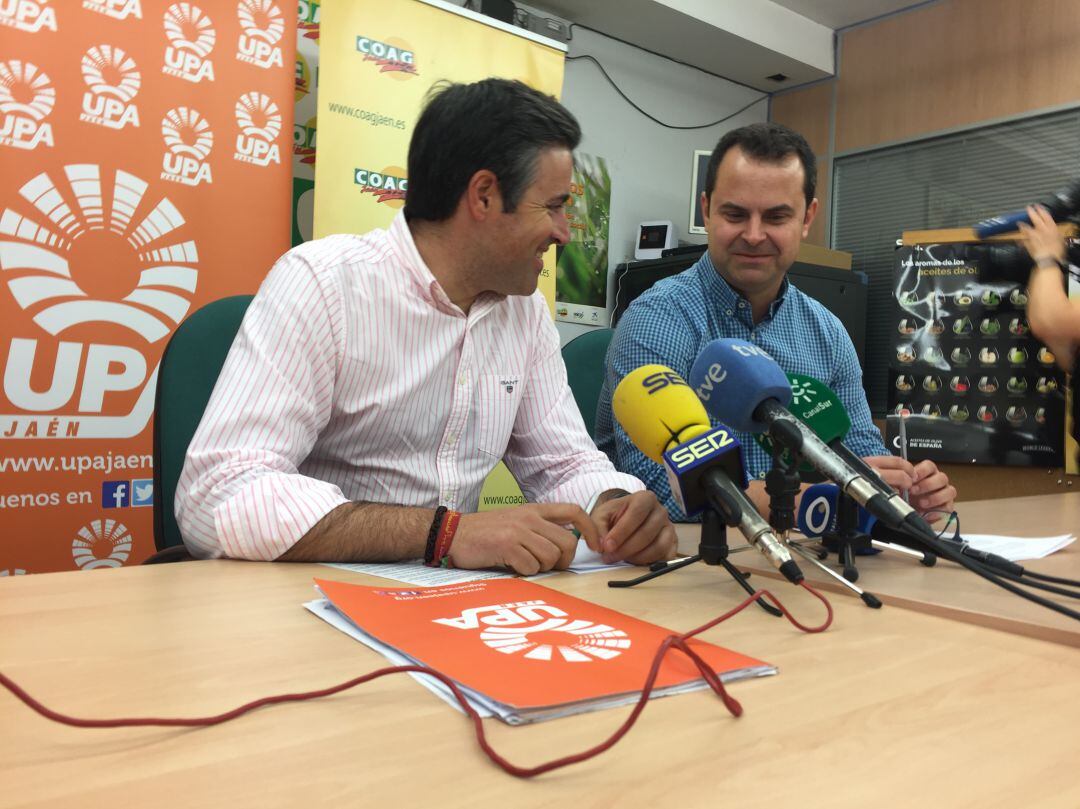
[144, 151]
[377, 62]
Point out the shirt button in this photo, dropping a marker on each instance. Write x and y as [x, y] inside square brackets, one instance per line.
[730, 312]
[741, 305]
[761, 475]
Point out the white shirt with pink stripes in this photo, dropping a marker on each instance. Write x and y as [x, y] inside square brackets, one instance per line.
[354, 378]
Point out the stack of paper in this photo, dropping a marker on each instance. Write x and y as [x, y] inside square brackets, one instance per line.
[1017, 549]
[520, 651]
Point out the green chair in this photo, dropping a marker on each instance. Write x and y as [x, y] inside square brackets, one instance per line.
[584, 359]
[189, 368]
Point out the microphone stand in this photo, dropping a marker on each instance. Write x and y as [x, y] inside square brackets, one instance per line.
[712, 550]
[782, 484]
[846, 538]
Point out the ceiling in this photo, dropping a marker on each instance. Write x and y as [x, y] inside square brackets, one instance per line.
[743, 40]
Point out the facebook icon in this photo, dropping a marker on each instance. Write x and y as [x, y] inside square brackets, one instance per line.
[115, 494]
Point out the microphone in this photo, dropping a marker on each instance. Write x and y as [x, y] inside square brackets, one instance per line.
[818, 513]
[755, 393]
[667, 422]
[1061, 206]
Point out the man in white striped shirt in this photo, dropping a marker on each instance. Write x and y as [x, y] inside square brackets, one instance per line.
[376, 380]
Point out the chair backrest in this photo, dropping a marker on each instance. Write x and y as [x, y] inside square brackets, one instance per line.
[189, 368]
[584, 359]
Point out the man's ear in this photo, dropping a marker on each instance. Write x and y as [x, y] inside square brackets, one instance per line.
[704, 202]
[483, 197]
[811, 212]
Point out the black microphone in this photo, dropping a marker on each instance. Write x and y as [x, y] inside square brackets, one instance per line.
[1060, 206]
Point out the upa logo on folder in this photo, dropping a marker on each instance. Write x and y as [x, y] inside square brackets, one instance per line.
[539, 630]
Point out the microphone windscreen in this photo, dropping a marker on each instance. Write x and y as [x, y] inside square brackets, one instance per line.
[733, 377]
[816, 405]
[658, 410]
[817, 509]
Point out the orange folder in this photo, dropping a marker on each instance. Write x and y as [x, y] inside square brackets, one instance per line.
[531, 649]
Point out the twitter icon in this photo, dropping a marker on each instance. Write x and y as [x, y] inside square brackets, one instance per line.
[142, 492]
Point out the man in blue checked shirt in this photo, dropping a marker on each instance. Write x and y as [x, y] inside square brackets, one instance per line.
[757, 205]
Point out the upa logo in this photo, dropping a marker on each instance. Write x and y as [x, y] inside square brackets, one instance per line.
[538, 631]
[388, 185]
[304, 142]
[188, 141]
[392, 56]
[117, 9]
[26, 99]
[308, 19]
[29, 16]
[112, 81]
[101, 266]
[102, 543]
[261, 27]
[260, 124]
[191, 38]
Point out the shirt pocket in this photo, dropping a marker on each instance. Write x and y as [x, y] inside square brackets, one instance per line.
[497, 399]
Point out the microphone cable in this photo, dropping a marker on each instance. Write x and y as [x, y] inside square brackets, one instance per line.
[670, 642]
[924, 534]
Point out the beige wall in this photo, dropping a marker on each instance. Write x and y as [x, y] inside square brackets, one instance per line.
[949, 64]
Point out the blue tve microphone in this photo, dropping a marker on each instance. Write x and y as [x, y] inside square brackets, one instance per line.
[1060, 206]
[741, 385]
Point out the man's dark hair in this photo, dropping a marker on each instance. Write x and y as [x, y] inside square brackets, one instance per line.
[494, 124]
[768, 143]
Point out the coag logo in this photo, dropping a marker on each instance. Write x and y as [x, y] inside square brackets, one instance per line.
[303, 78]
[654, 383]
[260, 124]
[101, 265]
[304, 142]
[308, 19]
[188, 141]
[539, 631]
[393, 56]
[113, 80]
[102, 543]
[191, 38]
[28, 15]
[26, 99]
[117, 9]
[388, 185]
[261, 26]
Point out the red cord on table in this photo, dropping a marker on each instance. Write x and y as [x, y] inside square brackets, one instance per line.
[671, 641]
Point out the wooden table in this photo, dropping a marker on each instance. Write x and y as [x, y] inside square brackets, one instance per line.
[889, 708]
[948, 589]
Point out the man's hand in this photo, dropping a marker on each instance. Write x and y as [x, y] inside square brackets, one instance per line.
[932, 491]
[634, 528]
[527, 539]
[927, 486]
[894, 470]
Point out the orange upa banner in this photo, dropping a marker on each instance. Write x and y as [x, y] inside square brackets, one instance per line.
[144, 146]
[537, 652]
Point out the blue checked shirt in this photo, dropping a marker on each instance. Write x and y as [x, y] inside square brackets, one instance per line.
[673, 321]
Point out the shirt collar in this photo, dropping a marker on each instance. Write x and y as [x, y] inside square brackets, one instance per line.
[427, 286]
[728, 297]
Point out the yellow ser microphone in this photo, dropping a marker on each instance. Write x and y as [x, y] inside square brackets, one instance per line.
[661, 413]
[658, 410]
